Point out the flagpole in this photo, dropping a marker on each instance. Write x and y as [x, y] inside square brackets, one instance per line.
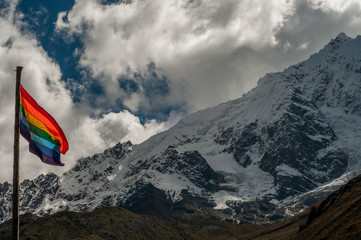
[16, 156]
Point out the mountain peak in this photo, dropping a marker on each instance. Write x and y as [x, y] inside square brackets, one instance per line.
[341, 36]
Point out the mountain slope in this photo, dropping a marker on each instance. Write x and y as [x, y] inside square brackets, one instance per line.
[118, 223]
[337, 217]
[279, 148]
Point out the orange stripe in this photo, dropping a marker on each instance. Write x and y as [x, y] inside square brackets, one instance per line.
[49, 127]
[33, 120]
[64, 142]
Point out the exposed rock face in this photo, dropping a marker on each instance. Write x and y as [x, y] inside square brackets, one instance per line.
[294, 141]
[288, 142]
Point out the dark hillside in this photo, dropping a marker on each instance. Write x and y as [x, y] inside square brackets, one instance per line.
[118, 223]
[337, 217]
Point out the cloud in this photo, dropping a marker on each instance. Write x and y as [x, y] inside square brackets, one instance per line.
[111, 128]
[199, 45]
[154, 57]
[313, 24]
[21, 49]
[210, 51]
[41, 77]
[334, 5]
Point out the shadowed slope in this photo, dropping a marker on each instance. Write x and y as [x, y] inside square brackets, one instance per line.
[118, 223]
[337, 217]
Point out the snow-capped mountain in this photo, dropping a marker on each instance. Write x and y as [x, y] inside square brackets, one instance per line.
[282, 146]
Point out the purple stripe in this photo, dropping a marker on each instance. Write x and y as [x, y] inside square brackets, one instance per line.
[24, 131]
[33, 149]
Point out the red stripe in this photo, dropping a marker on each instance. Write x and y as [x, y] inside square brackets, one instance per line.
[64, 143]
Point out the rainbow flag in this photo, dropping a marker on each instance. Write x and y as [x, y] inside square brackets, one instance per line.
[46, 139]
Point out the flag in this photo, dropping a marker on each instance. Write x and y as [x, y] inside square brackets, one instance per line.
[46, 138]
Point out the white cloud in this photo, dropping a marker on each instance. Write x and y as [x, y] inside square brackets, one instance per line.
[111, 128]
[303, 45]
[211, 51]
[333, 5]
[194, 42]
[42, 79]
[19, 49]
[134, 101]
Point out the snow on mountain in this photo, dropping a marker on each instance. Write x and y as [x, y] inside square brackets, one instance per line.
[282, 146]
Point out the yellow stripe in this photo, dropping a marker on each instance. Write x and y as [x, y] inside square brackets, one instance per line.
[33, 120]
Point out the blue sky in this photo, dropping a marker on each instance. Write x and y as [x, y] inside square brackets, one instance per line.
[112, 71]
[41, 17]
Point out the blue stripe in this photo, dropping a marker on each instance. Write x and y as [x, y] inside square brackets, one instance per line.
[38, 139]
[24, 131]
[47, 152]
[24, 120]
[46, 155]
[33, 149]
[44, 142]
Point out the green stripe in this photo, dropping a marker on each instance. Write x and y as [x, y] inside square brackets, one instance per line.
[45, 143]
[35, 138]
[22, 109]
[37, 131]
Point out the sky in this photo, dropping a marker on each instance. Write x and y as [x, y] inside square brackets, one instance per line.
[111, 71]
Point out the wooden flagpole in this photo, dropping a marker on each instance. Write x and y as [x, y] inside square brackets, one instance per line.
[16, 156]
